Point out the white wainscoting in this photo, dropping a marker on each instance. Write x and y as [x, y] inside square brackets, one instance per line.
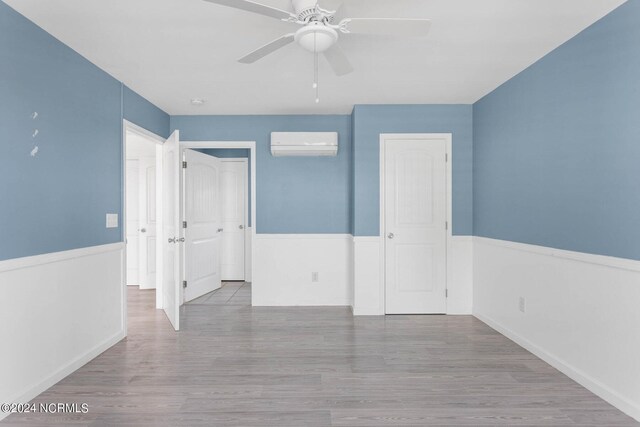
[58, 311]
[368, 275]
[247, 254]
[460, 275]
[582, 312]
[368, 285]
[284, 263]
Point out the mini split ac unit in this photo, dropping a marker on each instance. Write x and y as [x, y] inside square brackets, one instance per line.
[304, 144]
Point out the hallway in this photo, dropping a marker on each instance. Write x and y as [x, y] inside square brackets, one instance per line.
[235, 365]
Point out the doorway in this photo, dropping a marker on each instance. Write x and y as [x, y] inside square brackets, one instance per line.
[140, 208]
[218, 215]
[414, 220]
[142, 155]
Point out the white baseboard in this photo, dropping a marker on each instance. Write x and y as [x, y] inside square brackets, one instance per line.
[284, 264]
[60, 310]
[578, 376]
[54, 378]
[581, 312]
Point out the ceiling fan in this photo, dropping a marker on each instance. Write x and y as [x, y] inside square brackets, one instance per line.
[321, 27]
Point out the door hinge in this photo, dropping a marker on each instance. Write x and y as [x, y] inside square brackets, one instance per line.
[446, 225]
[184, 165]
[446, 157]
[184, 283]
[446, 293]
[184, 224]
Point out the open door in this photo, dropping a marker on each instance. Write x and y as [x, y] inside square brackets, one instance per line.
[170, 229]
[203, 231]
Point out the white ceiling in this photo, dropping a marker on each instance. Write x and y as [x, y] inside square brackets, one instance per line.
[171, 51]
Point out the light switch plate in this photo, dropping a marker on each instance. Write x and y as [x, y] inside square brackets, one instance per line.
[112, 220]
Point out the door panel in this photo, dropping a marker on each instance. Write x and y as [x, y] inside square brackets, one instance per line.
[148, 224]
[233, 188]
[170, 229]
[133, 224]
[415, 226]
[203, 217]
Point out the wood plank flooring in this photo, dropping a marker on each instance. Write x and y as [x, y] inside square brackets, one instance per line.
[235, 365]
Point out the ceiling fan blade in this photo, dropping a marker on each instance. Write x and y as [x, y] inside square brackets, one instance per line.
[338, 61]
[267, 49]
[254, 7]
[387, 26]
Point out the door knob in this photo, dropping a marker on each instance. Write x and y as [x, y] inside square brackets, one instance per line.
[181, 240]
[241, 227]
[391, 235]
[143, 230]
[220, 230]
[172, 240]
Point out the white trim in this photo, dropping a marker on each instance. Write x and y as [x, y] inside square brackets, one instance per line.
[132, 127]
[218, 144]
[384, 137]
[31, 261]
[305, 236]
[582, 378]
[251, 145]
[366, 238]
[607, 261]
[71, 367]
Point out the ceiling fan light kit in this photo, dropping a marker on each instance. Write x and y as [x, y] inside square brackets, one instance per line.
[320, 29]
[316, 38]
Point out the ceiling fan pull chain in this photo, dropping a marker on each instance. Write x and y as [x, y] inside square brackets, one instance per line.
[316, 76]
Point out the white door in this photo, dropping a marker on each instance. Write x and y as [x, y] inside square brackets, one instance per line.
[133, 222]
[415, 226]
[147, 220]
[204, 228]
[170, 229]
[233, 188]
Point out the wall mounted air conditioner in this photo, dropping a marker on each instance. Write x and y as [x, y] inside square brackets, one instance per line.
[304, 144]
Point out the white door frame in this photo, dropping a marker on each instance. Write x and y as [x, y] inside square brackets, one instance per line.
[251, 146]
[127, 126]
[386, 138]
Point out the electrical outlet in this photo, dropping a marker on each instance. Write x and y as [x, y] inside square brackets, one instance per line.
[314, 277]
[522, 304]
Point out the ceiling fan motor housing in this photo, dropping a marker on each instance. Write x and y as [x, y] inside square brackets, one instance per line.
[316, 37]
[303, 6]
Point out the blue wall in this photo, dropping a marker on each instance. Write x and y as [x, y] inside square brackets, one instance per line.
[372, 120]
[138, 110]
[293, 195]
[235, 153]
[557, 148]
[56, 200]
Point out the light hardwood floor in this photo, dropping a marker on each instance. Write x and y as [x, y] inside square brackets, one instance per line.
[236, 365]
